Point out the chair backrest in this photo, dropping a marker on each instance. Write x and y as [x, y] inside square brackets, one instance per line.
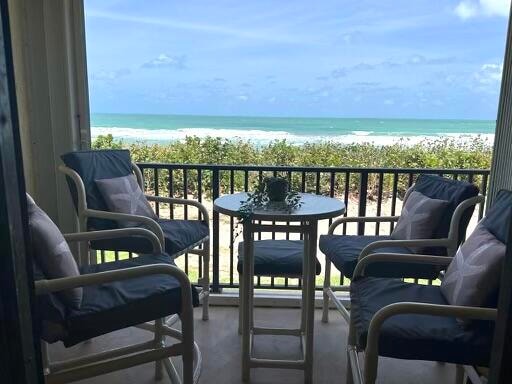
[453, 191]
[93, 165]
[497, 218]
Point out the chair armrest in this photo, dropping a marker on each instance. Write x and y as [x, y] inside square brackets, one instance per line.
[361, 219]
[173, 200]
[398, 258]
[457, 215]
[446, 243]
[372, 344]
[116, 233]
[151, 224]
[54, 285]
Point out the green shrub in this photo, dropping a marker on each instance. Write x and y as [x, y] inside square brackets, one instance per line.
[445, 153]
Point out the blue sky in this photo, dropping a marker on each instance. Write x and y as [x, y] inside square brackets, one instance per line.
[358, 58]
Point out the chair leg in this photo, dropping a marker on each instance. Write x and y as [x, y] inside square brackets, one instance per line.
[459, 374]
[327, 285]
[159, 343]
[206, 280]
[303, 311]
[240, 303]
[188, 354]
[45, 357]
[350, 375]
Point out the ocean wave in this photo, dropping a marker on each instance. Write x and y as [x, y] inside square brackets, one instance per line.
[259, 136]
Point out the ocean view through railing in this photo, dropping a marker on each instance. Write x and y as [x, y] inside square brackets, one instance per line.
[365, 191]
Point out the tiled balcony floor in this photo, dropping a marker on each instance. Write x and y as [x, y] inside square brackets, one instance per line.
[220, 346]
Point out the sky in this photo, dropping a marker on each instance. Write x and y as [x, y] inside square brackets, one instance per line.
[434, 59]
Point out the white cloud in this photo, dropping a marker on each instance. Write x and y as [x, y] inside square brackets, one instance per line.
[110, 75]
[489, 74]
[166, 61]
[468, 9]
[496, 7]
[389, 102]
[242, 97]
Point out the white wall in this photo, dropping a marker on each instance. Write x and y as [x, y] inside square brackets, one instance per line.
[51, 85]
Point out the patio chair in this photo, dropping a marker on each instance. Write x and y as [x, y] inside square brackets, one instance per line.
[272, 258]
[88, 171]
[453, 203]
[74, 304]
[451, 323]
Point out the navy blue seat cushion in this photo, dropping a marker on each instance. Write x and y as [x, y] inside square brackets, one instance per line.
[453, 191]
[497, 218]
[276, 258]
[344, 250]
[178, 234]
[116, 305]
[92, 165]
[417, 337]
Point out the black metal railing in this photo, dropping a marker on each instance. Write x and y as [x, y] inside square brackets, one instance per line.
[365, 191]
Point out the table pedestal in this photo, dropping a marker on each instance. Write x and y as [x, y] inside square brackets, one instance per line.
[305, 331]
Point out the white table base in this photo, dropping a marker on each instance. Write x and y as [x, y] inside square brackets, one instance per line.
[305, 332]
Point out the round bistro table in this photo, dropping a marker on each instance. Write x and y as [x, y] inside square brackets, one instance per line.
[301, 220]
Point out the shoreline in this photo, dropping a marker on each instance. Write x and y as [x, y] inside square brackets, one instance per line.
[265, 137]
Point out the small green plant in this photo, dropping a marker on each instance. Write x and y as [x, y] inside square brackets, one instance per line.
[260, 200]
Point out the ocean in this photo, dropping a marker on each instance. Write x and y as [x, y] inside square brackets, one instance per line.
[297, 130]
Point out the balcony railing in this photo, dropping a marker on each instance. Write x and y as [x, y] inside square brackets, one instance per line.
[365, 191]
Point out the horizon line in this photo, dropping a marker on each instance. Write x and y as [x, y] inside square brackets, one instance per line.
[293, 117]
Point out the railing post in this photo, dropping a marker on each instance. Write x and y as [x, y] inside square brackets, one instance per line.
[215, 245]
[363, 192]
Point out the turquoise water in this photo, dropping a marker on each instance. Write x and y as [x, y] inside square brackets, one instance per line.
[160, 128]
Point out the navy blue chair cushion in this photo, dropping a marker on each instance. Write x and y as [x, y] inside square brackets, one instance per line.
[344, 250]
[181, 234]
[453, 191]
[497, 218]
[417, 337]
[178, 234]
[93, 165]
[120, 304]
[276, 258]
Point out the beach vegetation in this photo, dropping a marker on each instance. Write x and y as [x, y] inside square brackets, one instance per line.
[442, 153]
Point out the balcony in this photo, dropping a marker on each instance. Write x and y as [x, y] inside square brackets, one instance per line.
[372, 192]
[45, 113]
